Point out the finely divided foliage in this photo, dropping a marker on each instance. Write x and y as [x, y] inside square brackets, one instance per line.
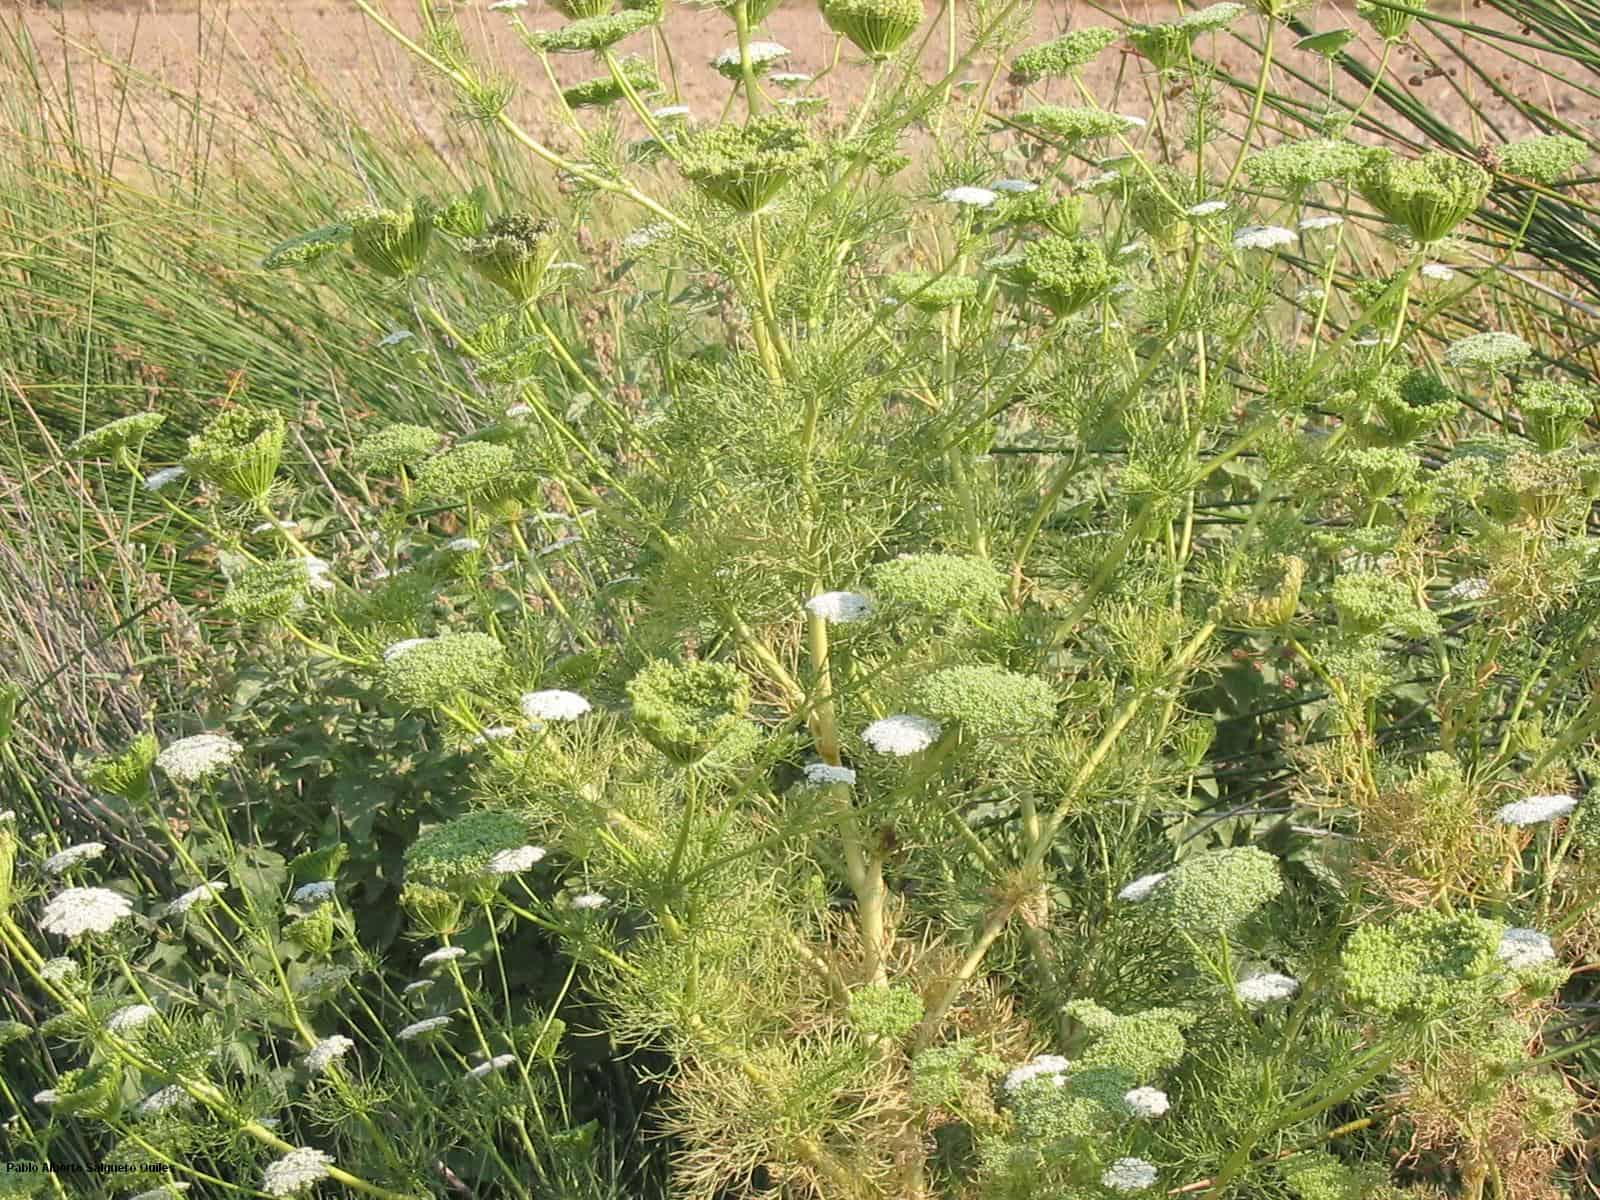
[1063, 669]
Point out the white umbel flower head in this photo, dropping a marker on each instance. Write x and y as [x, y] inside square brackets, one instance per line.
[590, 901]
[1141, 887]
[646, 236]
[418, 1028]
[73, 855]
[1535, 810]
[513, 862]
[507, 5]
[1044, 1066]
[318, 576]
[495, 733]
[1474, 588]
[1315, 224]
[761, 54]
[403, 647]
[463, 545]
[968, 197]
[159, 1101]
[1129, 1175]
[554, 705]
[81, 910]
[1208, 208]
[59, 970]
[157, 480]
[1521, 948]
[1491, 351]
[669, 111]
[1265, 988]
[126, 1020]
[296, 1172]
[48, 1096]
[1262, 237]
[1014, 187]
[442, 955]
[1147, 1102]
[418, 985]
[193, 759]
[1437, 272]
[317, 892]
[498, 1063]
[328, 1051]
[821, 773]
[203, 894]
[840, 608]
[789, 79]
[901, 734]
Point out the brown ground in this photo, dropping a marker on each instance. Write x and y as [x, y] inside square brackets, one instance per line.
[219, 50]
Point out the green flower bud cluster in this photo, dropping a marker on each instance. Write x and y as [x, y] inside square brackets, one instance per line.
[1553, 411]
[267, 591]
[464, 215]
[1415, 404]
[126, 774]
[948, 1076]
[1370, 603]
[306, 248]
[1427, 196]
[592, 33]
[1062, 56]
[1045, 1114]
[1292, 167]
[1158, 204]
[1493, 351]
[1538, 484]
[1421, 963]
[1318, 1175]
[1543, 159]
[313, 931]
[1380, 471]
[12, 1031]
[1075, 125]
[1064, 274]
[470, 471]
[605, 89]
[940, 585]
[394, 448]
[1584, 827]
[239, 451]
[684, 709]
[514, 253]
[875, 27]
[1212, 894]
[391, 242]
[1390, 24]
[1141, 1044]
[889, 1012]
[442, 669]
[986, 701]
[433, 910]
[1166, 44]
[746, 166]
[1272, 603]
[1058, 214]
[116, 436]
[1214, 18]
[89, 1092]
[459, 852]
[932, 293]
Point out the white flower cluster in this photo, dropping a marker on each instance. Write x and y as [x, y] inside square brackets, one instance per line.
[821, 773]
[647, 235]
[205, 893]
[1521, 948]
[1044, 1066]
[193, 759]
[512, 862]
[761, 53]
[1266, 987]
[296, 1171]
[495, 733]
[1141, 887]
[81, 910]
[554, 705]
[318, 892]
[1535, 810]
[126, 1020]
[1129, 1175]
[1262, 237]
[840, 608]
[1474, 588]
[590, 901]
[1014, 187]
[417, 1028]
[968, 197]
[171, 1096]
[442, 955]
[1207, 208]
[1314, 224]
[58, 970]
[901, 734]
[1147, 1102]
[498, 1063]
[405, 646]
[66, 859]
[328, 1051]
[159, 479]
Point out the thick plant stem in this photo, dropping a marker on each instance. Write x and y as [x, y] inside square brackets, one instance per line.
[741, 21]
[1255, 106]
